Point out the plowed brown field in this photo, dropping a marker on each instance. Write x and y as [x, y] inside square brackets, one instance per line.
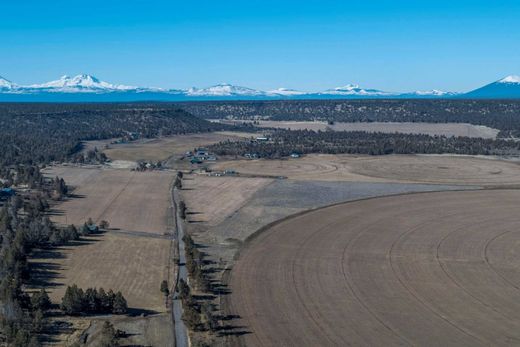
[422, 269]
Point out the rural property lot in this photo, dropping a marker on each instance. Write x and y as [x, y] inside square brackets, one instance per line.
[134, 257]
[163, 148]
[420, 269]
[132, 264]
[129, 200]
[213, 199]
[446, 129]
[390, 168]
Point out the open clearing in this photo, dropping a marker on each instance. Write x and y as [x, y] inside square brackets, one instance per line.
[132, 264]
[213, 199]
[421, 269]
[134, 256]
[391, 168]
[129, 200]
[446, 129]
[165, 147]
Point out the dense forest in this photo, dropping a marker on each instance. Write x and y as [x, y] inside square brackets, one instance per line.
[285, 142]
[41, 133]
[499, 114]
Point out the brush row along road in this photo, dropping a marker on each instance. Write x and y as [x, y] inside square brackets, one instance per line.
[419, 269]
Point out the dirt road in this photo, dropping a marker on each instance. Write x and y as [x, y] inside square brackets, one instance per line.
[423, 269]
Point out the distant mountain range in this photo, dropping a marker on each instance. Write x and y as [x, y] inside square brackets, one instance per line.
[89, 88]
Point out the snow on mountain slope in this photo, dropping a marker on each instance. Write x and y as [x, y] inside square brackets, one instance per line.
[80, 83]
[286, 92]
[505, 88]
[224, 89]
[510, 79]
[72, 88]
[6, 84]
[433, 92]
[354, 89]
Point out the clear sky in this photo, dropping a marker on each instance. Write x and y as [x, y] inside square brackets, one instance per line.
[310, 45]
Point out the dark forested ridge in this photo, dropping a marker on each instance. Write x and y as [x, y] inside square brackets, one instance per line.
[499, 114]
[286, 142]
[41, 133]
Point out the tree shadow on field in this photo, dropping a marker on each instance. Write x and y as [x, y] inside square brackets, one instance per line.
[134, 312]
[55, 212]
[44, 264]
[196, 221]
[230, 327]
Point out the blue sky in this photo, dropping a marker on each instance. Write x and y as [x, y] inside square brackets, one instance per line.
[311, 45]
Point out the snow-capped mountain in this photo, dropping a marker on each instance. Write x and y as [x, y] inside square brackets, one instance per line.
[354, 89]
[89, 88]
[224, 89]
[286, 92]
[79, 83]
[510, 79]
[430, 93]
[507, 88]
[6, 84]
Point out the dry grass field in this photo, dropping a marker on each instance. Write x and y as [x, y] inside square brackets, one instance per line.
[213, 199]
[446, 129]
[165, 147]
[392, 168]
[422, 269]
[133, 257]
[129, 200]
[135, 265]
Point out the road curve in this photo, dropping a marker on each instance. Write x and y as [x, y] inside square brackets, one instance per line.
[422, 269]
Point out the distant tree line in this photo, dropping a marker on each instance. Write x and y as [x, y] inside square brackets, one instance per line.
[42, 133]
[285, 142]
[499, 114]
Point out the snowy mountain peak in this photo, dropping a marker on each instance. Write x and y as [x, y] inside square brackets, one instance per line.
[510, 79]
[80, 83]
[224, 89]
[6, 84]
[355, 90]
[348, 87]
[286, 92]
[433, 92]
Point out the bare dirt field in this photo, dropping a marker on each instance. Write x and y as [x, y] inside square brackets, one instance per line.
[421, 269]
[135, 265]
[391, 168]
[128, 200]
[165, 147]
[213, 199]
[446, 129]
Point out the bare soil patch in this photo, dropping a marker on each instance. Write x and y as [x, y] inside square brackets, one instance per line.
[392, 168]
[399, 270]
[213, 199]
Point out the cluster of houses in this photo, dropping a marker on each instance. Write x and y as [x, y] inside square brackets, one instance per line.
[200, 155]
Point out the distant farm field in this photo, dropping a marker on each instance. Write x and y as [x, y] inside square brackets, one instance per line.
[392, 168]
[446, 129]
[165, 147]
